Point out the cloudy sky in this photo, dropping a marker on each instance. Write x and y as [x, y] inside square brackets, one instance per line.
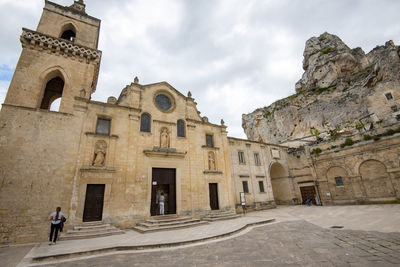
[233, 55]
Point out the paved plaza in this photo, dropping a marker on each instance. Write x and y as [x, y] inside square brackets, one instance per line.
[299, 236]
[293, 243]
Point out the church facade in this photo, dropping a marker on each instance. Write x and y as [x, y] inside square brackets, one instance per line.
[110, 161]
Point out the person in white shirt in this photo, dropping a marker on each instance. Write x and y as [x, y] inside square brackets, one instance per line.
[55, 219]
[162, 200]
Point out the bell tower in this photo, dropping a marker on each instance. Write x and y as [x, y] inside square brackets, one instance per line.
[59, 60]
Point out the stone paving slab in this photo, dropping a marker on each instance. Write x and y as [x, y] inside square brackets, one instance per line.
[133, 240]
[365, 245]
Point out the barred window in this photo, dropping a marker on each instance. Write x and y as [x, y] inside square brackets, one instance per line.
[261, 185]
[145, 123]
[103, 126]
[245, 187]
[181, 128]
[209, 140]
[339, 181]
[241, 157]
[257, 159]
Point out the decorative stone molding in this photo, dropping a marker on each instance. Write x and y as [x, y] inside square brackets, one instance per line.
[40, 41]
[164, 152]
[57, 45]
[212, 172]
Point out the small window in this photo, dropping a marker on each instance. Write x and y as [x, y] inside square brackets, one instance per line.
[241, 157]
[181, 128]
[145, 123]
[245, 187]
[209, 140]
[261, 185]
[339, 181]
[389, 96]
[103, 126]
[257, 159]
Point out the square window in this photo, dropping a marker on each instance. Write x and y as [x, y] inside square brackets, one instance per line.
[389, 96]
[257, 159]
[261, 185]
[241, 157]
[339, 181]
[209, 140]
[103, 126]
[245, 187]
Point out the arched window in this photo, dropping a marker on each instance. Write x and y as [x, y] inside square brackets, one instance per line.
[181, 128]
[145, 123]
[54, 89]
[68, 32]
[68, 35]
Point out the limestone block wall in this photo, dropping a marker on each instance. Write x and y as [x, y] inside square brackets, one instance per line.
[252, 173]
[38, 152]
[370, 172]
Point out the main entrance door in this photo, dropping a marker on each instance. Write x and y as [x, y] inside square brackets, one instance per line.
[308, 191]
[94, 200]
[163, 180]
[213, 188]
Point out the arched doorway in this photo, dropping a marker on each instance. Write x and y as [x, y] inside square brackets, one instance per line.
[280, 184]
[376, 180]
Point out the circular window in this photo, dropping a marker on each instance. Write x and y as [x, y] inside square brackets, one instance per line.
[163, 102]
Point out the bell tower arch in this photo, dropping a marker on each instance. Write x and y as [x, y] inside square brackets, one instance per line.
[66, 41]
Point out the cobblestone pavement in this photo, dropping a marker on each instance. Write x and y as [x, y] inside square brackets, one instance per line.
[292, 243]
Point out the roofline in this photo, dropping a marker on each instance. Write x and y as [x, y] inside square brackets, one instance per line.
[251, 141]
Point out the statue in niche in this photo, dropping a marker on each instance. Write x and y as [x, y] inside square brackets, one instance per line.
[164, 138]
[99, 153]
[211, 161]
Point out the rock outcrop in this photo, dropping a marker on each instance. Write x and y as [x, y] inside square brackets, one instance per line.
[342, 89]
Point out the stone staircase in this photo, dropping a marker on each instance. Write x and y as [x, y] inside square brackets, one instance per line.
[218, 215]
[90, 230]
[167, 222]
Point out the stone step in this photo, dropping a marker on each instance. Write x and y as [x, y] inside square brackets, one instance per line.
[220, 212]
[97, 226]
[90, 230]
[220, 218]
[216, 215]
[91, 235]
[167, 220]
[170, 223]
[92, 223]
[142, 229]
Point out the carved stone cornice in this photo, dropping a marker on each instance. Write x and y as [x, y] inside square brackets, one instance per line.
[61, 47]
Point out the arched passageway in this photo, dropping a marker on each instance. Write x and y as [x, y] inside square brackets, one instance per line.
[280, 184]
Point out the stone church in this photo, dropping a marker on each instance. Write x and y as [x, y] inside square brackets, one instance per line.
[110, 161]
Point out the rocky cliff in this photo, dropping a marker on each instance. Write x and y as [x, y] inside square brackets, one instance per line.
[341, 90]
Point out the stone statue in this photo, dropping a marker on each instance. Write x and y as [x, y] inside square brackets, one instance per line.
[211, 161]
[136, 80]
[189, 94]
[99, 153]
[164, 138]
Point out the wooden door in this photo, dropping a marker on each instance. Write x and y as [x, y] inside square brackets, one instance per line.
[94, 201]
[213, 188]
[308, 191]
[163, 180]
